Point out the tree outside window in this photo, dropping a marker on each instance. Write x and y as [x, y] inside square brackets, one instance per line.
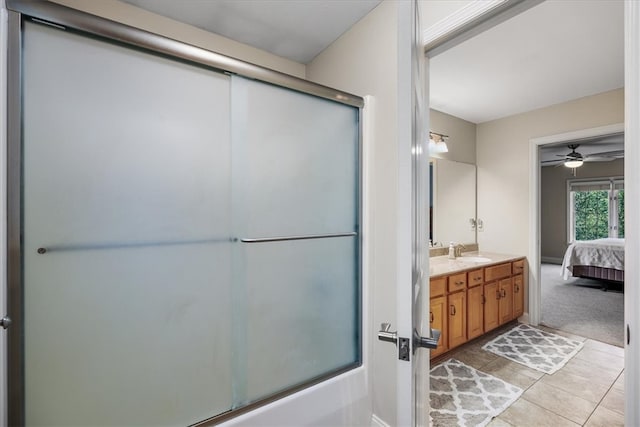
[596, 209]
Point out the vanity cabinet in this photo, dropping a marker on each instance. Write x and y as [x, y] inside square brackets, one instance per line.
[438, 314]
[505, 303]
[457, 302]
[475, 312]
[466, 304]
[518, 295]
[438, 320]
[491, 306]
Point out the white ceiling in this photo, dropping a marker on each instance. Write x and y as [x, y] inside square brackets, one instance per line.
[552, 53]
[295, 29]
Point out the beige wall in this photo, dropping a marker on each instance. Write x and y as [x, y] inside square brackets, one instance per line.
[363, 61]
[503, 163]
[553, 204]
[127, 14]
[462, 136]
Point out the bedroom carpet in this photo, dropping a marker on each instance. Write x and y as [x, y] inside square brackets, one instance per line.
[580, 307]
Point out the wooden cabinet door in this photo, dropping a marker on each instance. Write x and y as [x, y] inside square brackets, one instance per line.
[506, 300]
[438, 320]
[518, 295]
[475, 308]
[457, 307]
[491, 306]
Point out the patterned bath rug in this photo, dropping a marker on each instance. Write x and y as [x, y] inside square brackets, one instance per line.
[540, 350]
[463, 396]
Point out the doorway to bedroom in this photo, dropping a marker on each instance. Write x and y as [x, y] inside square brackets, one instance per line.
[582, 237]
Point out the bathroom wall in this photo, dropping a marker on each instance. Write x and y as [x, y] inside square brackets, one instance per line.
[462, 136]
[503, 163]
[363, 61]
[139, 18]
[553, 202]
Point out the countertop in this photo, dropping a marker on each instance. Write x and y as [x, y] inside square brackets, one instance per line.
[442, 265]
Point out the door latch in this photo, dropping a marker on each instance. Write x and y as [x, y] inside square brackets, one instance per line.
[403, 344]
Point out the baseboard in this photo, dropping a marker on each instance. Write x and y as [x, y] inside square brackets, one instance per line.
[377, 422]
[551, 260]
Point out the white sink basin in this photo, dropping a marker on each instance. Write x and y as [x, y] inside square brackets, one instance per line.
[475, 259]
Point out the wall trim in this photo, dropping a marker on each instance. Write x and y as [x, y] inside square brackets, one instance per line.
[535, 292]
[551, 260]
[469, 21]
[376, 421]
[459, 18]
[4, 21]
[632, 209]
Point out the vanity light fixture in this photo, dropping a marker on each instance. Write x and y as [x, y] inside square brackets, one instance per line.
[437, 143]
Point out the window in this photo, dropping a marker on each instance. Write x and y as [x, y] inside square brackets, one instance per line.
[596, 209]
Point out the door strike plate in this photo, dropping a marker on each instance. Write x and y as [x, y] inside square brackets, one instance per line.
[403, 349]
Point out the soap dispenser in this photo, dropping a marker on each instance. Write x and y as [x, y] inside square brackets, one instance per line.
[452, 251]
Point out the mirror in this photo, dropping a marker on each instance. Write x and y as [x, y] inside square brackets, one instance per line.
[452, 202]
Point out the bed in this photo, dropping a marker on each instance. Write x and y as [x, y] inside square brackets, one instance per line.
[595, 259]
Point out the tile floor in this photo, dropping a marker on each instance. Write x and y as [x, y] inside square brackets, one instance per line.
[587, 391]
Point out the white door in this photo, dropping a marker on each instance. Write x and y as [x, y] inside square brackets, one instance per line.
[414, 335]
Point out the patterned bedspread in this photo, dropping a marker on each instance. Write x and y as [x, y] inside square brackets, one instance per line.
[607, 253]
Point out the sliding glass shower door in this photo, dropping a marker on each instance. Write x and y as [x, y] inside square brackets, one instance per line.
[295, 186]
[191, 239]
[127, 222]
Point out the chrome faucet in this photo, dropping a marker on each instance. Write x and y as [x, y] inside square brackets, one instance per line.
[458, 249]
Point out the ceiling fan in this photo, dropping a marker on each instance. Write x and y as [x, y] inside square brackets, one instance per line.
[575, 159]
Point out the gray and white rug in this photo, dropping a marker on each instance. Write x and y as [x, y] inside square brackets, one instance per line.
[529, 346]
[463, 396]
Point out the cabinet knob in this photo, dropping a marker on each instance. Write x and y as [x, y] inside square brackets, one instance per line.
[453, 310]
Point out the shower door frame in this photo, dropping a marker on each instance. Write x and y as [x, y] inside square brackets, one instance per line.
[87, 24]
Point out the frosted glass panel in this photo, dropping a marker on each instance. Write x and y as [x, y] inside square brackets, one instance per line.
[297, 161]
[303, 313]
[141, 175]
[127, 188]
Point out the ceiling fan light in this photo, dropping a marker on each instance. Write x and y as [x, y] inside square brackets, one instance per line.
[573, 163]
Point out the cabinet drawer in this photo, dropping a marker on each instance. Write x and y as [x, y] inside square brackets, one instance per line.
[497, 272]
[457, 282]
[437, 287]
[518, 266]
[476, 277]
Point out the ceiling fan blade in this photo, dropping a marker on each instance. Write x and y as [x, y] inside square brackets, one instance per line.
[599, 159]
[615, 154]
